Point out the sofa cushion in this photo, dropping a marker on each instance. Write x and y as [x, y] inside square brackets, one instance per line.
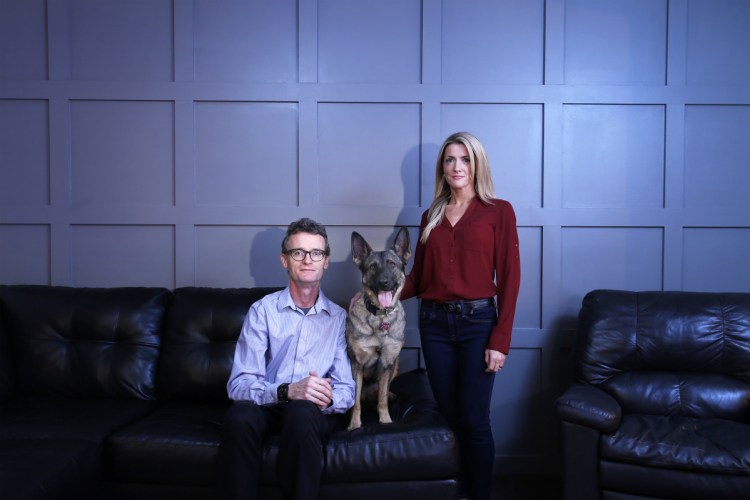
[693, 444]
[85, 342]
[177, 444]
[202, 328]
[643, 482]
[393, 452]
[48, 468]
[681, 393]
[417, 445]
[68, 418]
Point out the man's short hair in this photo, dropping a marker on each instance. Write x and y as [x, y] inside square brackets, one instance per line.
[305, 225]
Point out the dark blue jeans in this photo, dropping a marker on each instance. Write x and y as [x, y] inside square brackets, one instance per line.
[453, 343]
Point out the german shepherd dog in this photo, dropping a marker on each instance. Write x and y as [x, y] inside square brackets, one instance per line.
[375, 327]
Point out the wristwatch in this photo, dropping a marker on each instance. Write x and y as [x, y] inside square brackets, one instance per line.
[282, 393]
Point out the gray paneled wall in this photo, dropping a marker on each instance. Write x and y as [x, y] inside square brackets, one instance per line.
[168, 143]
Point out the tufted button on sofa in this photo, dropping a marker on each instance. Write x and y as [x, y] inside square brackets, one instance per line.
[120, 393]
[661, 403]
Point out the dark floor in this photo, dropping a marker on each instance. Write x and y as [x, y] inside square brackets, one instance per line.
[527, 488]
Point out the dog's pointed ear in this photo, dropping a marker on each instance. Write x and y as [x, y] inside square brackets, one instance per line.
[401, 244]
[360, 249]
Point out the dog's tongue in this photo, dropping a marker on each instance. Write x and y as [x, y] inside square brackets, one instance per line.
[385, 299]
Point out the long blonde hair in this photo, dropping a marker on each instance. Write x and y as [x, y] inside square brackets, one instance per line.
[480, 173]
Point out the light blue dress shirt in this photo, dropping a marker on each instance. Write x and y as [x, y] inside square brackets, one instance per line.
[280, 343]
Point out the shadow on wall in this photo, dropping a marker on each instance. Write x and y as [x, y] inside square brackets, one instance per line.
[342, 278]
[524, 403]
[340, 281]
[265, 266]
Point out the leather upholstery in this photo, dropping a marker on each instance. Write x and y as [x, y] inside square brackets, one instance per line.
[387, 453]
[7, 380]
[121, 393]
[40, 468]
[78, 342]
[661, 403]
[201, 331]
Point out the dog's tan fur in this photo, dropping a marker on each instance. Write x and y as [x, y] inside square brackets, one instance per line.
[375, 334]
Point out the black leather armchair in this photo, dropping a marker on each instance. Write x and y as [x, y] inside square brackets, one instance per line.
[661, 403]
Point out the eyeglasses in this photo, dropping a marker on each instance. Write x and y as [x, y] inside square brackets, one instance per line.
[299, 254]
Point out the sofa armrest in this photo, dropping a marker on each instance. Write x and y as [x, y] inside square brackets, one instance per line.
[586, 405]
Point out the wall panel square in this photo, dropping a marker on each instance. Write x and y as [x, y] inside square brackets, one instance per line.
[613, 156]
[24, 152]
[25, 254]
[372, 42]
[123, 255]
[512, 135]
[529, 305]
[493, 41]
[121, 41]
[246, 153]
[617, 42]
[239, 256]
[624, 258]
[369, 154]
[246, 41]
[122, 152]
[23, 40]
[715, 259]
[717, 148]
[717, 43]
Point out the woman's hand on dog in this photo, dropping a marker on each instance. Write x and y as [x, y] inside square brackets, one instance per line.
[315, 389]
[495, 360]
[354, 299]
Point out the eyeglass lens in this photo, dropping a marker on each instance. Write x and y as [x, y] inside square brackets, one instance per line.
[299, 254]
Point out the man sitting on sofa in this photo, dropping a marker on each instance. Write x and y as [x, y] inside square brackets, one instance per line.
[291, 375]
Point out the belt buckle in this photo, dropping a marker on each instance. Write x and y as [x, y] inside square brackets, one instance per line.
[453, 307]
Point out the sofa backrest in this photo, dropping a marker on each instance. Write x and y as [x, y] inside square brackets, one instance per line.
[201, 332]
[682, 353]
[84, 342]
[7, 381]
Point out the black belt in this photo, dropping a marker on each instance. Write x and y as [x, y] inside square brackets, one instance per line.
[460, 305]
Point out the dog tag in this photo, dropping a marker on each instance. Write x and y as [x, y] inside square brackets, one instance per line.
[385, 326]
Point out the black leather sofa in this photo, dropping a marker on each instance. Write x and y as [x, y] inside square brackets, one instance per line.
[120, 393]
[661, 405]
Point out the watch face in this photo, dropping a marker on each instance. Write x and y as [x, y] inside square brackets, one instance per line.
[282, 392]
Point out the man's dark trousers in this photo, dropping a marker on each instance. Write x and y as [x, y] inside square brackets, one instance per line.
[302, 429]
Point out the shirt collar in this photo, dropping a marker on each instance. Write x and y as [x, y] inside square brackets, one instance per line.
[322, 304]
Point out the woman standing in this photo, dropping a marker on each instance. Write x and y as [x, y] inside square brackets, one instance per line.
[467, 273]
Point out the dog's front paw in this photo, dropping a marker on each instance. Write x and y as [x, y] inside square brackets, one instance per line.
[385, 419]
[355, 423]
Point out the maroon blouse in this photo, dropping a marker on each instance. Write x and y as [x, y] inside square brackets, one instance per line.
[475, 259]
